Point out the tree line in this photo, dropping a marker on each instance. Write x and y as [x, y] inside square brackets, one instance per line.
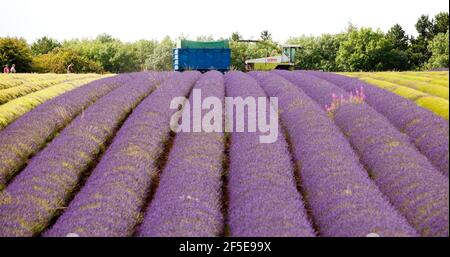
[365, 49]
[355, 49]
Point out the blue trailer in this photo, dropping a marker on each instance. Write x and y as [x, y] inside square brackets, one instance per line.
[202, 56]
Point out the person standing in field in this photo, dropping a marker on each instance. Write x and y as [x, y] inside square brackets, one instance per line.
[70, 68]
[13, 68]
[6, 69]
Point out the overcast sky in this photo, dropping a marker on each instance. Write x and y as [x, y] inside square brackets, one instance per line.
[130, 20]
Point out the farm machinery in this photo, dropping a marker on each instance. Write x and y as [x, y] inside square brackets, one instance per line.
[202, 56]
[285, 61]
[216, 55]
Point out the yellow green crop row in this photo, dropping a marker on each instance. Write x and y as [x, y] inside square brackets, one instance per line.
[429, 88]
[433, 103]
[433, 80]
[38, 83]
[430, 74]
[13, 80]
[13, 109]
[436, 77]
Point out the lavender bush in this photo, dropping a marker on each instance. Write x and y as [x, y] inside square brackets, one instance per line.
[410, 181]
[263, 199]
[428, 132]
[28, 134]
[34, 197]
[343, 199]
[405, 176]
[187, 201]
[110, 202]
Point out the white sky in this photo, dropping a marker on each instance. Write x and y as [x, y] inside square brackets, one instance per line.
[130, 20]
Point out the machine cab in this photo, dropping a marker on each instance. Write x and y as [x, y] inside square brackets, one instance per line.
[290, 52]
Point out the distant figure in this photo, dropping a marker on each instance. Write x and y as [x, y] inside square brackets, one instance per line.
[6, 69]
[70, 68]
[13, 68]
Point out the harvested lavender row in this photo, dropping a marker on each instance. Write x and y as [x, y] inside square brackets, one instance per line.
[405, 176]
[429, 132]
[110, 202]
[29, 133]
[34, 197]
[9, 94]
[343, 199]
[187, 201]
[263, 198]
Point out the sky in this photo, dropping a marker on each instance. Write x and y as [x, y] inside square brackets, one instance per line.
[131, 20]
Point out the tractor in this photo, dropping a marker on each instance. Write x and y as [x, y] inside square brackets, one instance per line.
[285, 61]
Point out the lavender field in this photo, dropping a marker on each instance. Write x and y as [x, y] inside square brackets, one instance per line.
[351, 160]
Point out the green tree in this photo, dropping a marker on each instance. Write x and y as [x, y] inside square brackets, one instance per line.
[318, 53]
[441, 23]
[425, 27]
[58, 60]
[143, 49]
[328, 48]
[418, 52]
[238, 55]
[398, 57]
[15, 51]
[308, 57]
[236, 36]
[439, 48]
[44, 45]
[161, 58]
[112, 54]
[105, 38]
[398, 37]
[365, 50]
[396, 60]
[266, 35]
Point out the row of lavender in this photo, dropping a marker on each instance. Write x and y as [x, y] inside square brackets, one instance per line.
[258, 206]
[31, 132]
[262, 198]
[110, 203]
[429, 132]
[27, 135]
[411, 183]
[343, 199]
[188, 198]
[36, 195]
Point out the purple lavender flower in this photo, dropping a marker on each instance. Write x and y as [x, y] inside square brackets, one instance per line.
[33, 198]
[428, 132]
[28, 134]
[263, 198]
[342, 198]
[406, 177]
[187, 200]
[110, 203]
